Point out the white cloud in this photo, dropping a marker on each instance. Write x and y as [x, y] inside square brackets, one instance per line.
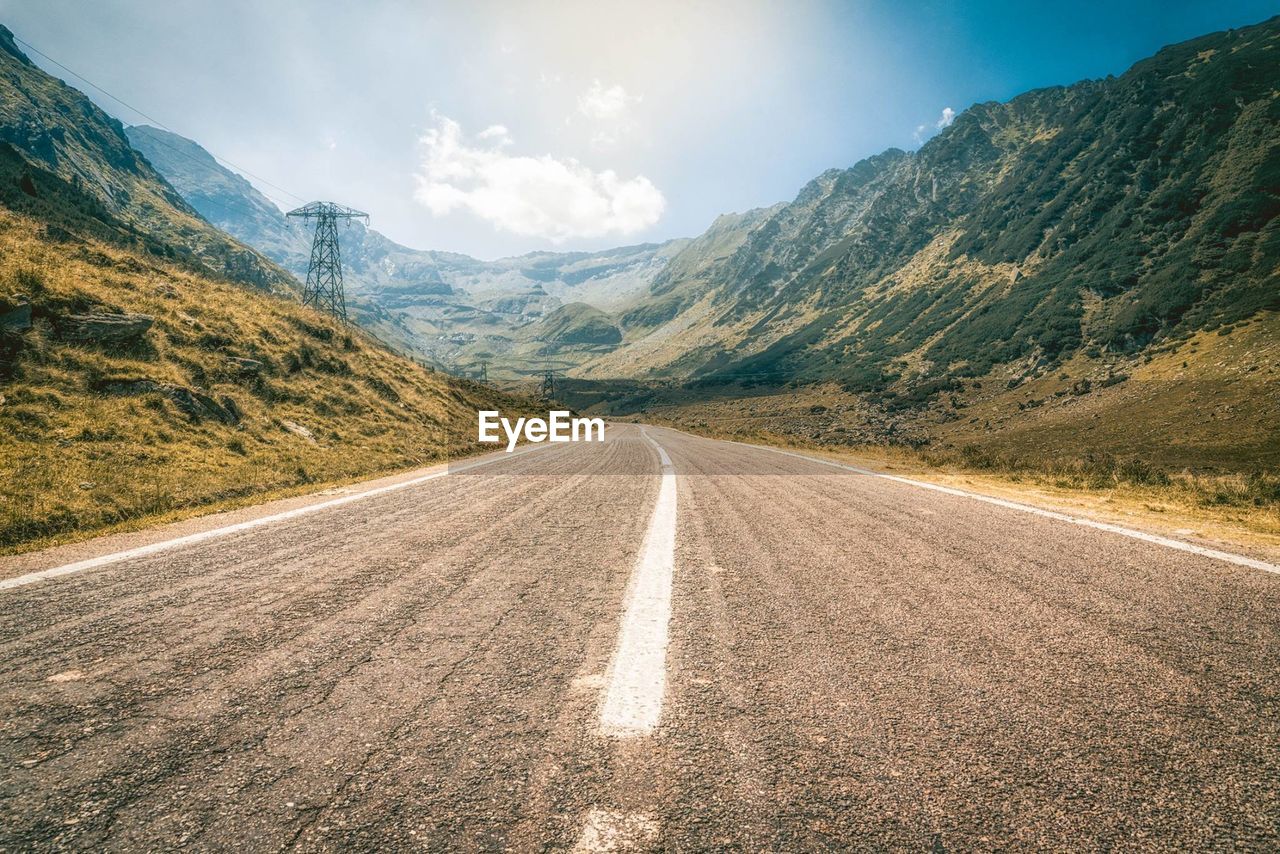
[609, 109]
[944, 121]
[543, 196]
[606, 104]
[498, 134]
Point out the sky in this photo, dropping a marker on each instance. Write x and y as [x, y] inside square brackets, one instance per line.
[498, 128]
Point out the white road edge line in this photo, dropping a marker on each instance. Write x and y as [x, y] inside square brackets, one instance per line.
[214, 533]
[632, 701]
[1229, 557]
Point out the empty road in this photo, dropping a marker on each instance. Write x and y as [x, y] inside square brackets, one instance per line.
[659, 642]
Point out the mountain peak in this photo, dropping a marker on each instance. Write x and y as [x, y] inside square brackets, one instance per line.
[10, 46]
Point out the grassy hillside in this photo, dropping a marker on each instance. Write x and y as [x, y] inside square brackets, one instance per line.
[1184, 439]
[152, 366]
[1207, 404]
[229, 393]
[577, 323]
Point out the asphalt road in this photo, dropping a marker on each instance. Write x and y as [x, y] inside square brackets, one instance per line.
[580, 647]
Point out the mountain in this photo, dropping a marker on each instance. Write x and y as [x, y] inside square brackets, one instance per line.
[151, 365]
[578, 323]
[51, 136]
[222, 197]
[1111, 217]
[442, 305]
[1075, 237]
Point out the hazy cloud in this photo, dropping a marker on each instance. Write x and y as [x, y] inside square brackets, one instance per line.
[542, 196]
[497, 134]
[948, 116]
[609, 110]
[606, 103]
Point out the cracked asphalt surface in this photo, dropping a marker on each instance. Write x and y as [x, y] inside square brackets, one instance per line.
[853, 663]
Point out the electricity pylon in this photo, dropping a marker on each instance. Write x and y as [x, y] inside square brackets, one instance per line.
[548, 389]
[324, 274]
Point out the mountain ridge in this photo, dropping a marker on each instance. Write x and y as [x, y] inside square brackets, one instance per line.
[1101, 220]
[979, 227]
[54, 134]
[424, 301]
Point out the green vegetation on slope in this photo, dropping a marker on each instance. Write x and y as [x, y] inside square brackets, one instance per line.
[577, 323]
[1107, 217]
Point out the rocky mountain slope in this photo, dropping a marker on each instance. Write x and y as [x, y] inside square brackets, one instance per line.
[150, 364]
[52, 136]
[1061, 241]
[450, 308]
[1108, 217]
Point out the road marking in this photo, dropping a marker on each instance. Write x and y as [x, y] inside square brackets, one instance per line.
[632, 702]
[215, 533]
[607, 830]
[1229, 557]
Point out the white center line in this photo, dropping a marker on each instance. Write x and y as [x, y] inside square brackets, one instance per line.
[607, 831]
[632, 702]
[201, 536]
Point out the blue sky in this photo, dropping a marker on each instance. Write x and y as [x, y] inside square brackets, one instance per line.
[495, 128]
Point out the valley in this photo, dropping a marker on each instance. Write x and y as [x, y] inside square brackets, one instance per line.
[933, 508]
[1024, 282]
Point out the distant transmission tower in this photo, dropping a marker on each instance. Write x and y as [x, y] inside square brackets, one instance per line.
[324, 274]
[548, 389]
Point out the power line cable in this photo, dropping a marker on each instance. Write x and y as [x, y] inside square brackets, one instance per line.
[222, 206]
[279, 203]
[156, 121]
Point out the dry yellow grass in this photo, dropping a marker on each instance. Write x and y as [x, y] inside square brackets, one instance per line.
[328, 405]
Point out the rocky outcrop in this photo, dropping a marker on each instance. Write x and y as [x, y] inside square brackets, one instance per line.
[192, 402]
[15, 315]
[298, 430]
[102, 328]
[245, 367]
[15, 319]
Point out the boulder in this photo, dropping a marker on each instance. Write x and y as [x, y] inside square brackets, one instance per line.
[198, 406]
[247, 367]
[232, 408]
[192, 402]
[103, 328]
[15, 315]
[298, 430]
